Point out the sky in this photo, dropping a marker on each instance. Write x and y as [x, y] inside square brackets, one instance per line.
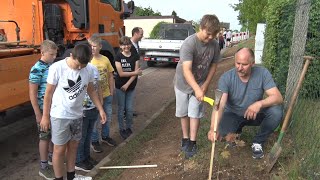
[194, 10]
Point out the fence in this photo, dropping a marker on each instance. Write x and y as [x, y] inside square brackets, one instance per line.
[297, 34]
[236, 37]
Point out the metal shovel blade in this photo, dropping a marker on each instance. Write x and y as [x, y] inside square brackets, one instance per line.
[273, 156]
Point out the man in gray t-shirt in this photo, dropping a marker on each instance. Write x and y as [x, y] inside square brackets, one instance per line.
[199, 54]
[242, 103]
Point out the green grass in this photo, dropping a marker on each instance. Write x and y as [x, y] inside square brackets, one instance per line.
[305, 134]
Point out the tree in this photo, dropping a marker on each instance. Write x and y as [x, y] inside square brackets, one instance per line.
[174, 13]
[251, 12]
[140, 11]
[155, 31]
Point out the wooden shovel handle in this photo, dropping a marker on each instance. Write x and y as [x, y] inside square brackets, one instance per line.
[295, 93]
[213, 143]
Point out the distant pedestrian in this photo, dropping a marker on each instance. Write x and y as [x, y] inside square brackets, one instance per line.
[221, 40]
[67, 83]
[127, 66]
[229, 37]
[199, 55]
[107, 85]
[37, 87]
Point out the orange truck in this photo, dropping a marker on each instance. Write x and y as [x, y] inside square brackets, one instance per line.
[24, 24]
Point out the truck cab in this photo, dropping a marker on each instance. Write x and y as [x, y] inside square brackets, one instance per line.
[24, 24]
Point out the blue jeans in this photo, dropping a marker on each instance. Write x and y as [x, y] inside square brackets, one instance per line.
[268, 119]
[125, 102]
[105, 128]
[89, 119]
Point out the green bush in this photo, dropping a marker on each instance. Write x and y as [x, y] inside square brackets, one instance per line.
[280, 17]
[155, 31]
[278, 39]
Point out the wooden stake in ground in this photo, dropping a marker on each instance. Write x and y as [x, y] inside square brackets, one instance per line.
[218, 94]
[129, 167]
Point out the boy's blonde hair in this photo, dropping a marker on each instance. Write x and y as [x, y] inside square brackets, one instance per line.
[95, 40]
[48, 45]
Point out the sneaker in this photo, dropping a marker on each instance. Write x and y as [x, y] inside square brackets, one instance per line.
[191, 150]
[128, 132]
[47, 173]
[85, 166]
[123, 134]
[184, 144]
[96, 147]
[50, 160]
[92, 161]
[109, 141]
[257, 152]
[80, 177]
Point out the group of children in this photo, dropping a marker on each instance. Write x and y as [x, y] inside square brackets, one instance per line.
[69, 96]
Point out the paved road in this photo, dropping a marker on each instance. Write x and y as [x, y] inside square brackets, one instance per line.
[18, 141]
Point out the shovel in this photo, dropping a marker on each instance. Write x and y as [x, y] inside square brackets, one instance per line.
[276, 149]
[215, 103]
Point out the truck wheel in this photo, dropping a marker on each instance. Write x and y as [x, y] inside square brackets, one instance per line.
[150, 63]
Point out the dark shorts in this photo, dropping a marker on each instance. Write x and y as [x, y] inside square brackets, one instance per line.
[44, 135]
[228, 39]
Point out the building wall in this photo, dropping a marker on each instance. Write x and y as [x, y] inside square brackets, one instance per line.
[146, 24]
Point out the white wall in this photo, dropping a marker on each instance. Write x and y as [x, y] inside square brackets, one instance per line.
[258, 49]
[146, 24]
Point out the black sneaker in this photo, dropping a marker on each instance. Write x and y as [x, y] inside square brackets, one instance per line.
[109, 141]
[128, 132]
[191, 150]
[184, 144]
[85, 166]
[257, 152]
[92, 161]
[123, 134]
[96, 147]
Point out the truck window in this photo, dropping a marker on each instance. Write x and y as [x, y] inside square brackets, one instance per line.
[116, 4]
[176, 34]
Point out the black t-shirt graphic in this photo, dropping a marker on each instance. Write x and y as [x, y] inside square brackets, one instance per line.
[128, 64]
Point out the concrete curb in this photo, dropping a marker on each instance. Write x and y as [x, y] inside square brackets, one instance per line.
[107, 159]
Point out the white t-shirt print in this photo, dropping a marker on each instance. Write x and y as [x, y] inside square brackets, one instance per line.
[71, 87]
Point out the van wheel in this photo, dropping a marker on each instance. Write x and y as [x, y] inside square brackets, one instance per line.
[150, 63]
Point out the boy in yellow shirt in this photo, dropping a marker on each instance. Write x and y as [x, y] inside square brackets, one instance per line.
[107, 84]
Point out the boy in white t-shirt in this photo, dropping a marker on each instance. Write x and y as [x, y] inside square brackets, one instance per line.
[67, 83]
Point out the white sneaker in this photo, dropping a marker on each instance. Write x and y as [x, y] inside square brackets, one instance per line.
[80, 177]
[257, 152]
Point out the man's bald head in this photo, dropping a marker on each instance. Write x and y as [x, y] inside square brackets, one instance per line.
[245, 53]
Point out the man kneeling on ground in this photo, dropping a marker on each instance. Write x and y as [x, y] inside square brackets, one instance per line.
[242, 103]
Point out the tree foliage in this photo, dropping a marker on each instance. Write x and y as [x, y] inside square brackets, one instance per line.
[174, 13]
[155, 31]
[251, 12]
[140, 11]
